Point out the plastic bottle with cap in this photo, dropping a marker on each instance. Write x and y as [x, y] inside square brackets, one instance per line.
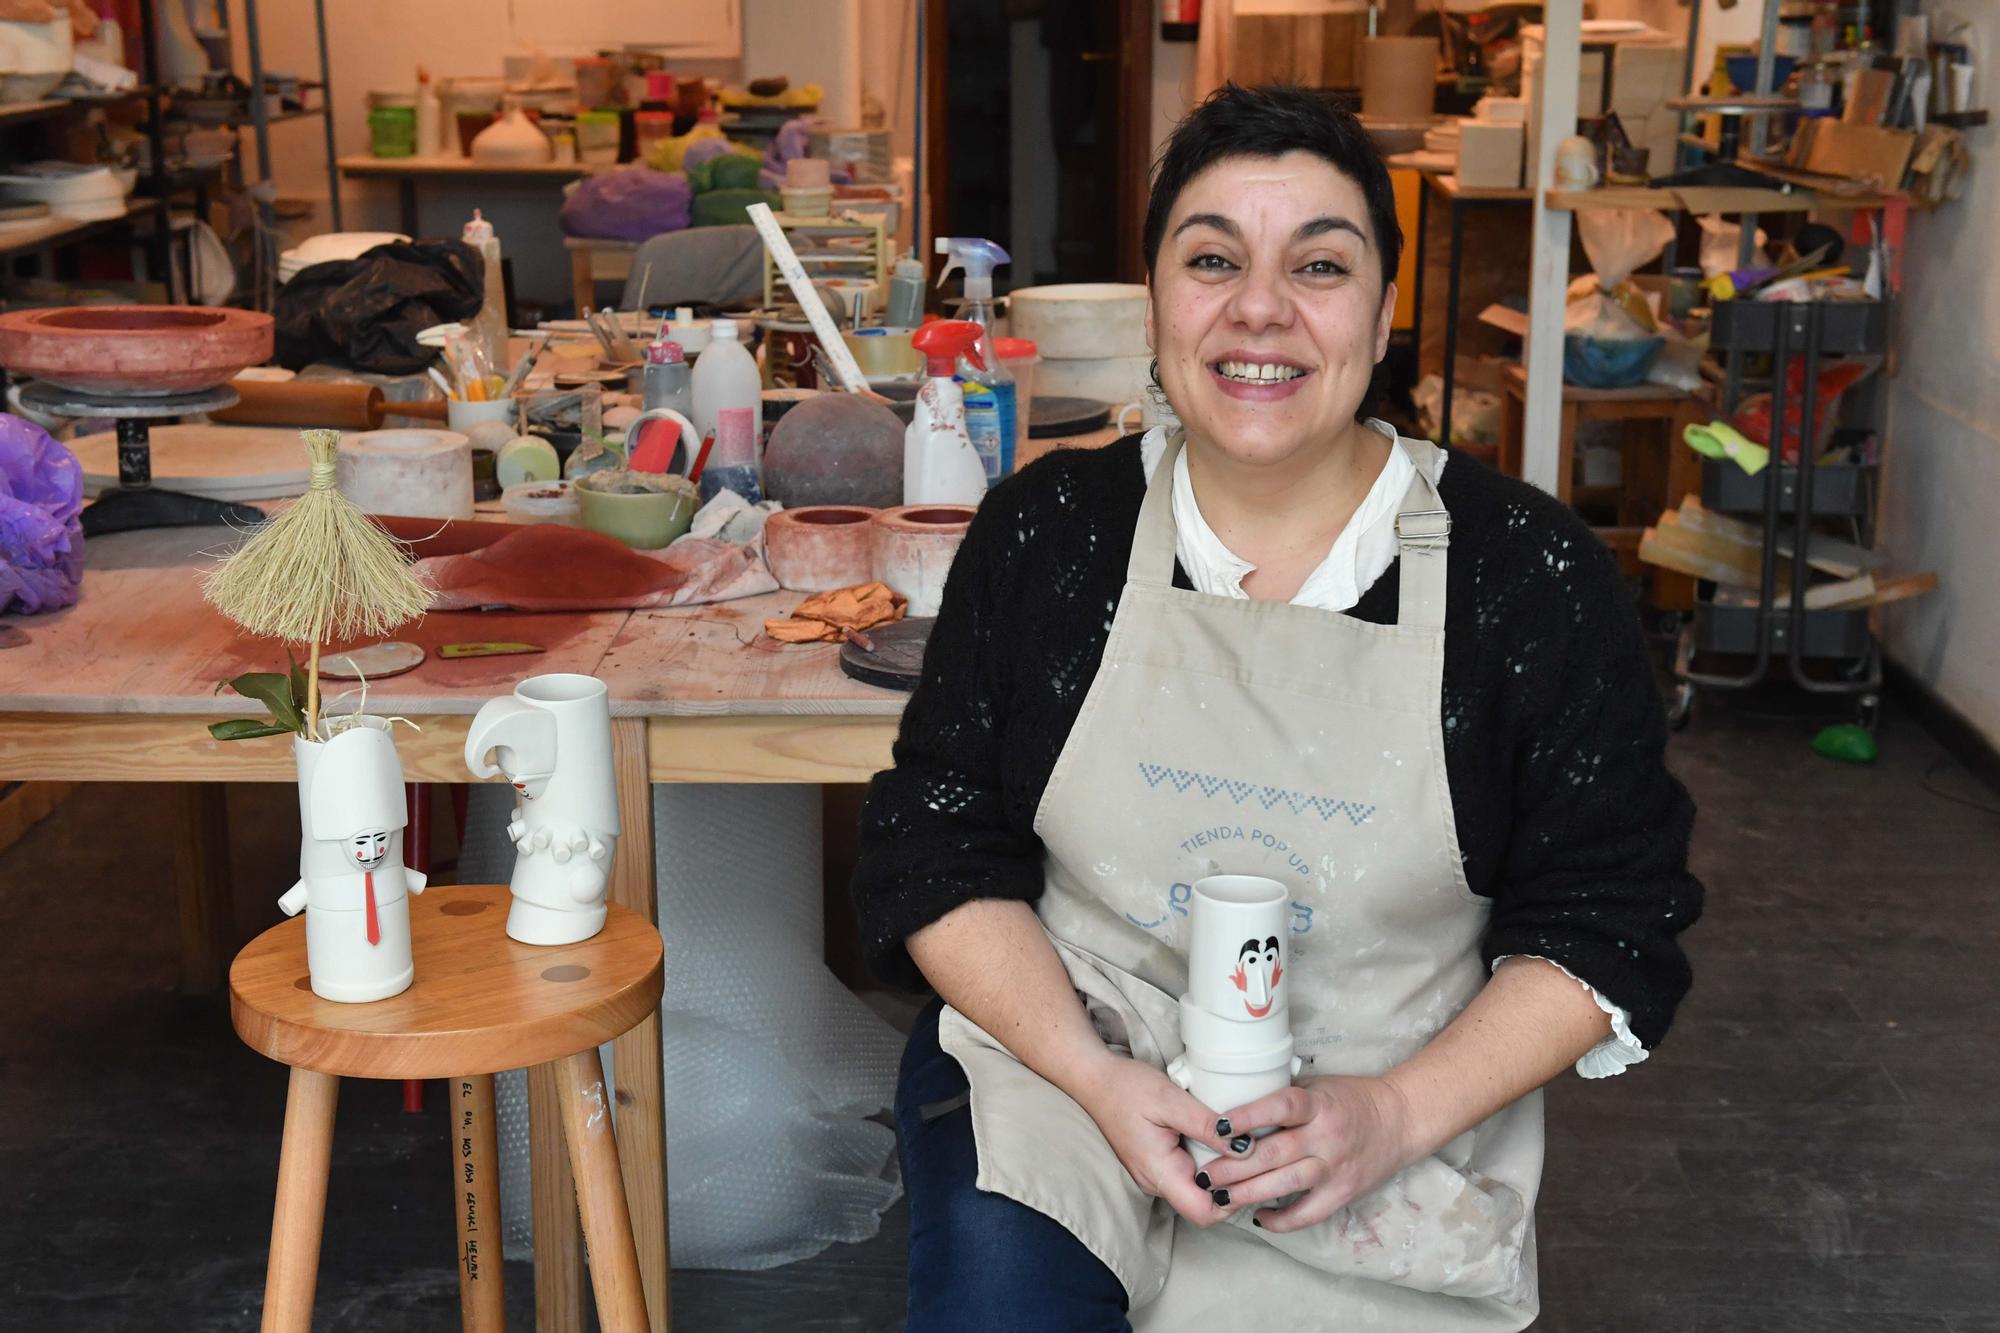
[489, 326]
[989, 386]
[906, 294]
[940, 465]
[728, 405]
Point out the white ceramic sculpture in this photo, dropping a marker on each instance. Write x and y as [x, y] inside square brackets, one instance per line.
[552, 739]
[352, 882]
[1236, 1023]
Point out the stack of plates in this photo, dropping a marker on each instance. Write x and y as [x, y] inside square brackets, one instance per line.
[69, 189]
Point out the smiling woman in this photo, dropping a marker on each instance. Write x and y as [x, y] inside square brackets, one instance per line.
[1275, 642]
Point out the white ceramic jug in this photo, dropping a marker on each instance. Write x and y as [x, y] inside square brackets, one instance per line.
[352, 882]
[1236, 1023]
[552, 739]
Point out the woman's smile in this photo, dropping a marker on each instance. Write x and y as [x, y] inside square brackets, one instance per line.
[1258, 377]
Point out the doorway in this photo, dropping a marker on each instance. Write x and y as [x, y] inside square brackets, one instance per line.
[1037, 123]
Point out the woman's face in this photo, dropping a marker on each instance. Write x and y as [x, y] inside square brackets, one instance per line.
[1268, 308]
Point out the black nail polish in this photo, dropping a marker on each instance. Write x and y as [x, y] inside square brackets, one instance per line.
[1221, 1198]
[1222, 1129]
[1240, 1144]
[1201, 1179]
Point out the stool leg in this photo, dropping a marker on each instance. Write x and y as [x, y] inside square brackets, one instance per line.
[475, 1165]
[558, 1247]
[300, 1213]
[600, 1194]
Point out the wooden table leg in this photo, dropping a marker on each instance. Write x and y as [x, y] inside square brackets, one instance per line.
[640, 1084]
[1565, 451]
[600, 1194]
[475, 1166]
[300, 1213]
[558, 1249]
[201, 880]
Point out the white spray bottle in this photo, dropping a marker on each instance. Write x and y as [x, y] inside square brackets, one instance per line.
[990, 407]
[940, 466]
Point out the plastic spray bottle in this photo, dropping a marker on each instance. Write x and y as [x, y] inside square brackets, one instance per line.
[728, 404]
[906, 294]
[989, 393]
[489, 326]
[940, 465]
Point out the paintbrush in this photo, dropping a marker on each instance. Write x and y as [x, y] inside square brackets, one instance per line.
[527, 363]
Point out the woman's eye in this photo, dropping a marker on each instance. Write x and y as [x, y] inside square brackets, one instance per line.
[1325, 268]
[1210, 263]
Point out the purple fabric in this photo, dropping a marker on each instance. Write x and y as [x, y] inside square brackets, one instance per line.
[631, 204]
[701, 150]
[793, 139]
[41, 541]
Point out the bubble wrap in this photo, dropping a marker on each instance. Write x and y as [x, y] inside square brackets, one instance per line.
[773, 1069]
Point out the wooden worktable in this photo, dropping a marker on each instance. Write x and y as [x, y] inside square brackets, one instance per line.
[119, 688]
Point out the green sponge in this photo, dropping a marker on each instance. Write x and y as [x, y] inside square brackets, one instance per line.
[1847, 743]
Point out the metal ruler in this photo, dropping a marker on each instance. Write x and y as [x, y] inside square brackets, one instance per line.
[823, 327]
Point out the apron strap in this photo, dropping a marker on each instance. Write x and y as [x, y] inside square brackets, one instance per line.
[1153, 547]
[1423, 536]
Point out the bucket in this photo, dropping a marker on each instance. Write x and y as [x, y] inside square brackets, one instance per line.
[392, 131]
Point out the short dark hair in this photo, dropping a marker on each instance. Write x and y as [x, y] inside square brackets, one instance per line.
[1270, 122]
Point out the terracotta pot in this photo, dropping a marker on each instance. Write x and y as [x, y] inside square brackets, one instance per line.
[820, 547]
[914, 548]
[134, 351]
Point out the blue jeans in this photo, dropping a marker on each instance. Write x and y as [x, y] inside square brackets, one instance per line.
[977, 1260]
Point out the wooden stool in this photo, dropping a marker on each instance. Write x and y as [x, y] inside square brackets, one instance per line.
[1654, 477]
[481, 1003]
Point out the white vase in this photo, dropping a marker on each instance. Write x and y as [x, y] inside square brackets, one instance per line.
[512, 139]
[352, 882]
[1236, 1021]
[552, 740]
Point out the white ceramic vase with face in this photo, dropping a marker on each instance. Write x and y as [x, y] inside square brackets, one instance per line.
[1236, 1023]
[552, 740]
[353, 885]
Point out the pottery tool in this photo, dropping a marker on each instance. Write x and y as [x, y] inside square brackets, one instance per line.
[622, 347]
[521, 369]
[847, 373]
[457, 650]
[891, 656]
[336, 406]
[375, 662]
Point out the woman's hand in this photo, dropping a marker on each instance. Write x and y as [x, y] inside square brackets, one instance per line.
[1143, 1115]
[1337, 1138]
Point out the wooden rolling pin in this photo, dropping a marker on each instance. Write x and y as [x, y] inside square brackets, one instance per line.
[334, 406]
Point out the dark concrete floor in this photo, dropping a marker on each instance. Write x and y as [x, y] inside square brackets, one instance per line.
[1812, 1149]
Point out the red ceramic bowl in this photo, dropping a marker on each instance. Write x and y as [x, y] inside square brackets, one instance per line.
[134, 351]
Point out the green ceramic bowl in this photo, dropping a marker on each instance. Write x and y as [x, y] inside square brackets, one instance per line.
[644, 522]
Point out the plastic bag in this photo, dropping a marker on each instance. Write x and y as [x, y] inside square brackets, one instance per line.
[1719, 242]
[41, 539]
[1753, 415]
[632, 204]
[368, 311]
[1618, 241]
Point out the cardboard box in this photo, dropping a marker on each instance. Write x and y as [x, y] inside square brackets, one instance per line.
[1490, 155]
[1867, 153]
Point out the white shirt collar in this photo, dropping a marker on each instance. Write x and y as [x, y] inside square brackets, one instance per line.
[1362, 552]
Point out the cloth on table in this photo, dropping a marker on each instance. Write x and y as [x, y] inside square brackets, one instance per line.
[731, 518]
[368, 311]
[41, 538]
[547, 567]
[830, 617]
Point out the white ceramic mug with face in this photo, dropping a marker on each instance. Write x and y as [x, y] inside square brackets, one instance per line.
[1576, 164]
[1235, 1019]
[551, 739]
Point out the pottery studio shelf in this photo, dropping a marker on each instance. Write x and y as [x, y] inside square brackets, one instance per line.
[17, 112]
[56, 229]
[1715, 199]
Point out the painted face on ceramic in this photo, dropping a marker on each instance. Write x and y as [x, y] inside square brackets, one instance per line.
[368, 849]
[1268, 307]
[1259, 969]
[530, 785]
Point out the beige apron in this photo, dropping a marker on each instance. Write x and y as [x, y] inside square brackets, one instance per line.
[1246, 737]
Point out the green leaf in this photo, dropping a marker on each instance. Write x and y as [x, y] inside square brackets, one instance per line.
[300, 685]
[246, 728]
[273, 689]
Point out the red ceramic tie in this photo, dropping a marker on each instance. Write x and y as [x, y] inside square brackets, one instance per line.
[374, 926]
